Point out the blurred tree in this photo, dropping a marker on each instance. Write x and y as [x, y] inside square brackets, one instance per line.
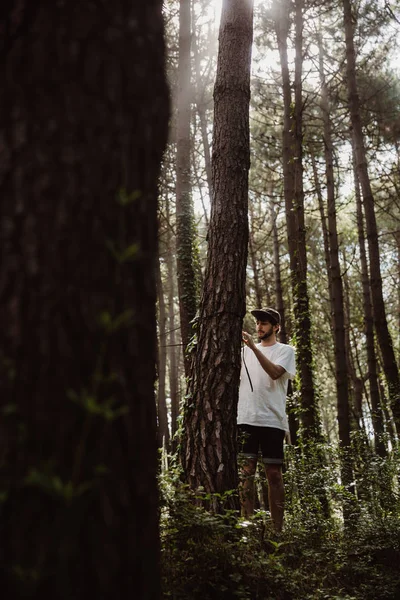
[84, 111]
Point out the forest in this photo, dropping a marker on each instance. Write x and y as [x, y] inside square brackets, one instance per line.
[165, 168]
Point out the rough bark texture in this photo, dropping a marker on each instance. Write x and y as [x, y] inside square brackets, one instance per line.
[381, 327]
[185, 229]
[83, 123]
[209, 439]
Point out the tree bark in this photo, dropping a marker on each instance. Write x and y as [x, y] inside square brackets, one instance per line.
[84, 114]
[209, 438]
[381, 327]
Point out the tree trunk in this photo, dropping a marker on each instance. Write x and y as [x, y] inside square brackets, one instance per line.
[283, 335]
[381, 327]
[376, 409]
[172, 339]
[254, 265]
[209, 437]
[185, 227]
[83, 123]
[294, 203]
[335, 280]
[162, 413]
[201, 111]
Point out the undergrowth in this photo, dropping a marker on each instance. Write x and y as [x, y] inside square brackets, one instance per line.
[316, 557]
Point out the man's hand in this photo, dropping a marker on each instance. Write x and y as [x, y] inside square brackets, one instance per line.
[248, 340]
[273, 370]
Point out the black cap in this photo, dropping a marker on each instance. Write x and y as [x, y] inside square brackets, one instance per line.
[267, 314]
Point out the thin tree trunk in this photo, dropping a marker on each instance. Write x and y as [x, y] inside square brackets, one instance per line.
[201, 111]
[209, 437]
[358, 388]
[162, 413]
[336, 284]
[283, 336]
[172, 339]
[82, 92]
[185, 227]
[381, 327]
[387, 416]
[294, 203]
[376, 410]
[254, 265]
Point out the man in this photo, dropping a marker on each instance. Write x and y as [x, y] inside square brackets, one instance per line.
[262, 420]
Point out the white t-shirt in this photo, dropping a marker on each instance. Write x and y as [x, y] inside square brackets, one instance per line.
[265, 406]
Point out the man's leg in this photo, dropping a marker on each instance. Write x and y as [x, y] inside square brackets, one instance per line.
[247, 486]
[276, 494]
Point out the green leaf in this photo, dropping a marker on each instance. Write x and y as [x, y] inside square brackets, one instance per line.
[124, 199]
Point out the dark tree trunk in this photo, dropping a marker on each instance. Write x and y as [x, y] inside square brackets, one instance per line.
[83, 123]
[381, 327]
[209, 437]
[185, 227]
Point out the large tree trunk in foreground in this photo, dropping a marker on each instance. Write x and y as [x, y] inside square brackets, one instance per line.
[209, 440]
[83, 124]
[378, 304]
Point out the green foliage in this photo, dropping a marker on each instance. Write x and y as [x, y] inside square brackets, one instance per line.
[123, 255]
[125, 199]
[106, 409]
[113, 324]
[55, 486]
[315, 558]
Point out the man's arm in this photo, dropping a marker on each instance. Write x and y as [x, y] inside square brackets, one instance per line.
[273, 370]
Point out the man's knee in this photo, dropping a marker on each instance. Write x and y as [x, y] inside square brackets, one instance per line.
[248, 466]
[274, 474]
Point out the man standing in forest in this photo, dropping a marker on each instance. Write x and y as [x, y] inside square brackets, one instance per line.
[262, 420]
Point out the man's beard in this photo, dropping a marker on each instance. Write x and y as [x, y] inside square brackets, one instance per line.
[267, 335]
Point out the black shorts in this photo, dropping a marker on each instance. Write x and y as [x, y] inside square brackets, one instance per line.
[269, 439]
